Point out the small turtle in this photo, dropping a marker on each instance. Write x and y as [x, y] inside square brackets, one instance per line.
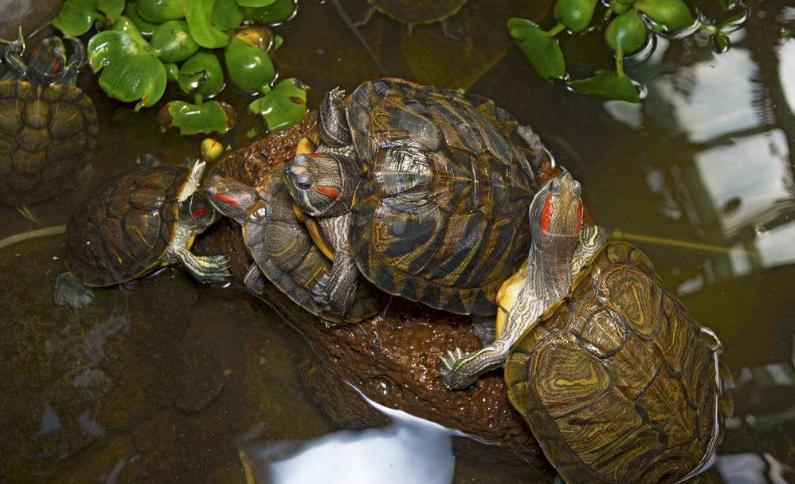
[415, 12]
[133, 224]
[419, 189]
[281, 247]
[48, 126]
[616, 380]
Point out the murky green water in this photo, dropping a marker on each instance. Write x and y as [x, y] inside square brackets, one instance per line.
[167, 382]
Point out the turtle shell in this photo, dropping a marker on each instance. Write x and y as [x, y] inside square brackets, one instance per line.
[124, 228]
[446, 182]
[283, 250]
[414, 12]
[46, 137]
[617, 381]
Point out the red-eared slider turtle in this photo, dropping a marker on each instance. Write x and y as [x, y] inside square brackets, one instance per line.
[416, 12]
[133, 224]
[281, 247]
[48, 126]
[616, 380]
[421, 189]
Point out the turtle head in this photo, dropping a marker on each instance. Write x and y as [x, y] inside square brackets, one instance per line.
[556, 211]
[231, 198]
[47, 61]
[317, 183]
[197, 212]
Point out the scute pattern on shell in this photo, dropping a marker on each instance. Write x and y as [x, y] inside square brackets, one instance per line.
[440, 217]
[46, 137]
[616, 381]
[124, 227]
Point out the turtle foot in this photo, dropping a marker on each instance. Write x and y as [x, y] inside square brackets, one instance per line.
[451, 370]
[71, 293]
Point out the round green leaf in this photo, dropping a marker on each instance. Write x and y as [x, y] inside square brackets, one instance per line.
[127, 27]
[608, 85]
[620, 6]
[284, 106]
[673, 14]
[540, 48]
[172, 41]
[277, 12]
[575, 14]
[129, 70]
[255, 3]
[209, 117]
[159, 11]
[172, 72]
[201, 75]
[247, 61]
[146, 28]
[111, 8]
[76, 17]
[626, 32]
[227, 14]
[198, 13]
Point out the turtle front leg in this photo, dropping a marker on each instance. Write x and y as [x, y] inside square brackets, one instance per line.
[462, 369]
[339, 292]
[204, 269]
[12, 55]
[592, 238]
[78, 59]
[71, 293]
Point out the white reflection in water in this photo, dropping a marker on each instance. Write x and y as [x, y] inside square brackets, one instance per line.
[410, 450]
[753, 469]
[719, 100]
[753, 169]
[786, 73]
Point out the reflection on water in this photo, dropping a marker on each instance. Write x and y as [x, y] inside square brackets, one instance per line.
[754, 469]
[410, 450]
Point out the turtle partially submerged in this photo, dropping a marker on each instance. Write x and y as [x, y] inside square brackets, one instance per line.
[48, 126]
[281, 247]
[616, 380]
[419, 189]
[416, 12]
[133, 224]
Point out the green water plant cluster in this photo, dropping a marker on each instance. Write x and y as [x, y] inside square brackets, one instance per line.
[628, 26]
[142, 45]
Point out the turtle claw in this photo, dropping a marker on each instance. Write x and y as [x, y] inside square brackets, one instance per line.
[450, 363]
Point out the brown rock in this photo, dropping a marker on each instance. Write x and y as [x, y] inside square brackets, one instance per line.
[393, 358]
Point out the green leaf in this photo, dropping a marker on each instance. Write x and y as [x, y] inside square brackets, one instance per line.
[209, 117]
[255, 3]
[129, 70]
[284, 106]
[626, 32]
[620, 6]
[277, 42]
[575, 14]
[172, 72]
[247, 61]
[126, 26]
[76, 17]
[277, 12]
[172, 41]
[609, 85]
[540, 48]
[227, 14]
[673, 14]
[198, 13]
[146, 28]
[159, 11]
[111, 8]
[201, 75]
[721, 42]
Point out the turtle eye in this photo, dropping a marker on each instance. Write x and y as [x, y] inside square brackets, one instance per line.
[303, 181]
[576, 187]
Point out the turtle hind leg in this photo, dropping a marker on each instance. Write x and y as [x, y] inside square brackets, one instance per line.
[71, 293]
[254, 280]
[461, 369]
[204, 269]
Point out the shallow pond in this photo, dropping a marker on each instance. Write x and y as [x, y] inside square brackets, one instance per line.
[172, 382]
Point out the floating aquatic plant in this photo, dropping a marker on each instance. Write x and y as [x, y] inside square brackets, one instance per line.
[201, 76]
[205, 118]
[159, 11]
[283, 106]
[128, 67]
[77, 16]
[247, 62]
[277, 12]
[146, 28]
[172, 41]
[631, 23]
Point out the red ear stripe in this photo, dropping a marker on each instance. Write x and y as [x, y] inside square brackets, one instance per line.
[227, 199]
[546, 214]
[327, 191]
[200, 212]
[56, 67]
[579, 215]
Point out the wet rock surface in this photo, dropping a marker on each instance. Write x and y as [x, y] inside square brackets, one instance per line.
[393, 358]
